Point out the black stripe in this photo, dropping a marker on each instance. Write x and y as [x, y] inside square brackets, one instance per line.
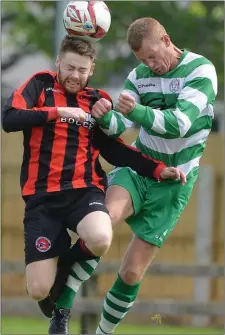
[94, 96]
[26, 158]
[32, 92]
[88, 164]
[71, 148]
[47, 140]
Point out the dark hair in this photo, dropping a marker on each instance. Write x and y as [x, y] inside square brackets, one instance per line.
[79, 46]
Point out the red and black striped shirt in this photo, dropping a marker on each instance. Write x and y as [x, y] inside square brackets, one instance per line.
[62, 153]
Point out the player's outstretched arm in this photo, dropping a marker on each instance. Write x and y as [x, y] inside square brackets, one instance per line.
[119, 154]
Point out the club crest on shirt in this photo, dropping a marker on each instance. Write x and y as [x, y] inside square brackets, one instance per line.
[174, 86]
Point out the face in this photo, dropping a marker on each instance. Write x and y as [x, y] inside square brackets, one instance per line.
[73, 71]
[156, 55]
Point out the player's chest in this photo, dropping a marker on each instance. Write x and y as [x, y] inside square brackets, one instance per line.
[160, 92]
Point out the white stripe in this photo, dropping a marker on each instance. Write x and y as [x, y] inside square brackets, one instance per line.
[113, 312]
[194, 96]
[92, 263]
[187, 167]
[83, 275]
[207, 111]
[133, 94]
[189, 58]
[119, 302]
[107, 326]
[172, 146]
[204, 71]
[73, 283]
[159, 121]
[183, 120]
[113, 125]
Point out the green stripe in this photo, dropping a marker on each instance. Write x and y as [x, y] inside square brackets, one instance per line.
[110, 318]
[189, 109]
[74, 275]
[179, 158]
[87, 267]
[203, 85]
[203, 122]
[116, 307]
[171, 123]
[128, 85]
[154, 100]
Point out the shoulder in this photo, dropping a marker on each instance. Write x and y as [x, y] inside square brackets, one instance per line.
[139, 72]
[98, 93]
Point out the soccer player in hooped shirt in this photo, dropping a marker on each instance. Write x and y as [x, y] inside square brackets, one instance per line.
[62, 181]
[171, 96]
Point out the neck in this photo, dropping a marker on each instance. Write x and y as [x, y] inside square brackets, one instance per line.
[176, 54]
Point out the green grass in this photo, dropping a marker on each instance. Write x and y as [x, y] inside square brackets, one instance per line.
[20, 325]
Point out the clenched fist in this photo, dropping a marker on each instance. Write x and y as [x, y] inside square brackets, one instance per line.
[100, 108]
[126, 103]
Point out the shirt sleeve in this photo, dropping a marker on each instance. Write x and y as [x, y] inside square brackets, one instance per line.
[21, 111]
[115, 152]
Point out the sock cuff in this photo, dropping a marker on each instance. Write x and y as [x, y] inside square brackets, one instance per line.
[85, 249]
[126, 288]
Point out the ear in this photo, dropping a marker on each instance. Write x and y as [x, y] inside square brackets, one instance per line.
[92, 69]
[166, 40]
[57, 63]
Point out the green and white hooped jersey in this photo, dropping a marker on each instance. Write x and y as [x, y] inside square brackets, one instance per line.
[175, 110]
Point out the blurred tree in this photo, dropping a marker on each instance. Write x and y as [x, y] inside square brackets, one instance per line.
[197, 26]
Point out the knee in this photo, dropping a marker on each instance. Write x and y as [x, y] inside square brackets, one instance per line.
[100, 243]
[38, 290]
[130, 275]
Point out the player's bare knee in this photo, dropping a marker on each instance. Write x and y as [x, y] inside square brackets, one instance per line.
[100, 243]
[130, 275]
[38, 290]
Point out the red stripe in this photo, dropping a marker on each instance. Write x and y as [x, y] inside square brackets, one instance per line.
[81, 157]
[35, 143]
[95, 178]
[58, 148]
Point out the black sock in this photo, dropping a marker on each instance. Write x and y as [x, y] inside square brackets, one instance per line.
[77, 252]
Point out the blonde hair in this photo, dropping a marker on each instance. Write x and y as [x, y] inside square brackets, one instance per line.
[142, 28]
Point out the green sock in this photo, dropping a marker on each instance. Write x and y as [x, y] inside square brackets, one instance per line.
[80, 272]
[117, 303]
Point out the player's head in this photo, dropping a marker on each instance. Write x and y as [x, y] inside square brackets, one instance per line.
[151, 44]
[75, 63]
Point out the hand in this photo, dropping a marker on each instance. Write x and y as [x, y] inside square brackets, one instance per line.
[173, 173]
[72, 112]
[126, 103]
[100, 108]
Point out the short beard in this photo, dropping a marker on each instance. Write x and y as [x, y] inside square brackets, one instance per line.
[61, 82]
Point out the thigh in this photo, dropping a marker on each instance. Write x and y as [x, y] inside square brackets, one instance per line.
[45, 236]
[125, 194]
[84, 202]
[41, 272]
[161, 210]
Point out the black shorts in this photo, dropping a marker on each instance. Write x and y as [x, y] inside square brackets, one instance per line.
[47, 217]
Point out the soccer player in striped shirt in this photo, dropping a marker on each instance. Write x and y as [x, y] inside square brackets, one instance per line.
[62, 181]
[171, 96]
